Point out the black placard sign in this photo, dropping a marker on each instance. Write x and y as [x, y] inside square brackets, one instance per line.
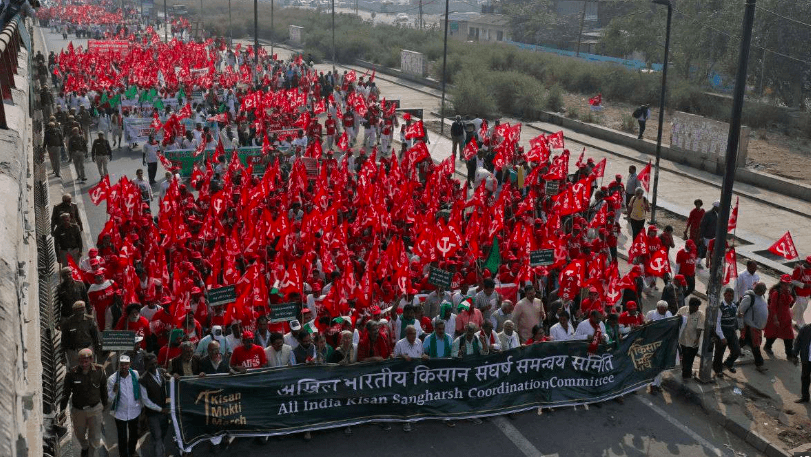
[222, 295]
[552, 187]
[117, 340]
[283, 312]
[541, 257]
[440, 278]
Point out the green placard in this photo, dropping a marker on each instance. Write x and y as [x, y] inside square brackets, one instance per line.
[222, 295]
[283, 312]
[541, 257]
[440, 278]
[117, 340]
[185, 159]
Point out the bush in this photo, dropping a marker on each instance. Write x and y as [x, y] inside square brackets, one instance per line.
[470, 95]
[628, 123]
[516, 93]
[554, 99]
[573, 113]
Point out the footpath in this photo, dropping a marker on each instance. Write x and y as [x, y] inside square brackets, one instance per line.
[757, 407]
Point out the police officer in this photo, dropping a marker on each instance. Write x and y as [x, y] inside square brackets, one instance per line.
[86, 384]
[79, 331]
[68, 239]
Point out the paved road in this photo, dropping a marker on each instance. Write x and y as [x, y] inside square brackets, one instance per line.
[644, 425]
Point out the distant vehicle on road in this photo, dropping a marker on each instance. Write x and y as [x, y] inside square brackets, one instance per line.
[402, 17]
[178, 10]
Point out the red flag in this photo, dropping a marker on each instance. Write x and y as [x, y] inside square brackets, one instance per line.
[471, 149]
[556, 140]
[75, 272]
[343, 142]
[538, 153]
[100, 191]
[733, 218]
[659, 264]
[415, 130]
[291, 282]
[639, 247]
[730, 266]
[784, 247]
[644, 177]
[596, 101]
[599, 170]
[580, 159]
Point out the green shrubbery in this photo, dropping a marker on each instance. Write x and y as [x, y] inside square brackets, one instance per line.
[487, 79]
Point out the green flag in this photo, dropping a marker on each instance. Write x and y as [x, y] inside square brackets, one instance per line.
[104, 98]
[131, 92]
[115, 100]
[158, 103]
[151, 95]
[494, 259]
[142, 97]
[181, 94]
[222, 108]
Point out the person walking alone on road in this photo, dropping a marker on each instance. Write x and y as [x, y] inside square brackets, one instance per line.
[691, 230]
[641, 115]
[101, 154]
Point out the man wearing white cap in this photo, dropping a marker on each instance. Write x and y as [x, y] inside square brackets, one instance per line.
[128, 398]
[661, 312]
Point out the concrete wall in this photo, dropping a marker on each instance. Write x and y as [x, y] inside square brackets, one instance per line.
[413, 63]
[21, 418]
[296, 35]
[706, 138]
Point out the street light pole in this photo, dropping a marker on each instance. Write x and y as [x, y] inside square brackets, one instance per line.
[230, 34]
[165, 23]
[333, 40]
[731, 164]
[271, 29]
[256, 40]
[444, 71]
[661, 110]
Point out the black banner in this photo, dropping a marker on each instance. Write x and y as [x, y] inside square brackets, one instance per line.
[283, 312]
[117, 340]
[222, 295]
[541, 257]
[306, 397]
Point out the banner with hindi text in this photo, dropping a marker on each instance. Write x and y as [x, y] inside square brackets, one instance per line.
[281, 401]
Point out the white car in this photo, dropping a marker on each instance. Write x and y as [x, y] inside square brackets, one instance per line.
[402, 17]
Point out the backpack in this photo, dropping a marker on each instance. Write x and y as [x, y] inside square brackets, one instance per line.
[637, 112]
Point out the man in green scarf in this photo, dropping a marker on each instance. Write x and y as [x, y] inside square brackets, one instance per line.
[128, 399]
[405, 320]
[438, 344]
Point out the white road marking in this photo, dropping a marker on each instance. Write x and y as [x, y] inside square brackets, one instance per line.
[699, 439]
[514, 435]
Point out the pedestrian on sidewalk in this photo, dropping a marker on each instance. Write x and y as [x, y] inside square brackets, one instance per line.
[802, 352]
[781, 297]
[101, 153]
[692, 325]
[85, 383]
[726, 334]
[53, 144]
[691, 230]
[457, 136]
[802, 288]
[755, 313]
[642, 114]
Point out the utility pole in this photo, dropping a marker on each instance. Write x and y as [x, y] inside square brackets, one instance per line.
[444, 71]
[255, 40]
[580, 35]
[230, 34]
[420, 14]
[731, 164]
[762, 70]
[356, 8]
[165, 23]
[661, 111]
[201, 19]
[334, 71]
